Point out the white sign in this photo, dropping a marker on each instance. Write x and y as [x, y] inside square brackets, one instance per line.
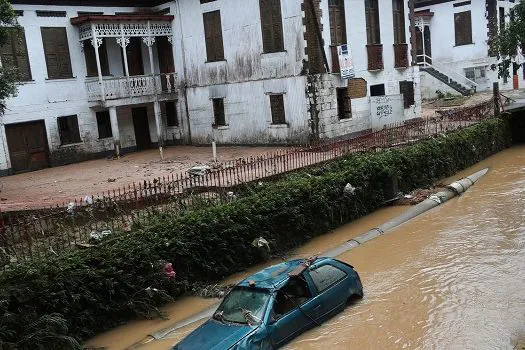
[385, 110]
[346, 63]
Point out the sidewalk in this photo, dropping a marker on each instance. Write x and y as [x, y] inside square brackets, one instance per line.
[61, 184]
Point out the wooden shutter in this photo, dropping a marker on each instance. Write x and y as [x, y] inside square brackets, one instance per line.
[56, 51]
[213, 36]
[336, 9]
[463, 28]
[271, 25]
[14, 53]
[407, 89]
[277, 109]
[373, 32]
[398, 13]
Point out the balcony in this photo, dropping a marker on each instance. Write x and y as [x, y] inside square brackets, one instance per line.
[135, 86]
[400, 55]
[375, 57]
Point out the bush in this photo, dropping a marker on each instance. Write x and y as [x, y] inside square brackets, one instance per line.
[53, 303]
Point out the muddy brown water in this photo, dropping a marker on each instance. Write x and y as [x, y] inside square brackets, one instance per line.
[452, 278]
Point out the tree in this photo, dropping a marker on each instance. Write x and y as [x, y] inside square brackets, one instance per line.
[506, 43]
[8, 75]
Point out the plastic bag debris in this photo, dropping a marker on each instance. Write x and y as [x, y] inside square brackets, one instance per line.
[97, 236]
[435, 199]
[169, 271]
[231, 195]
[199, 170]
[261, 242]
[88, 200]
[349, 189]
[70, 208]
[151, 291]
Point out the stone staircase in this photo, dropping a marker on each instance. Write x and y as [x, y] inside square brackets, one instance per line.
[464, 90]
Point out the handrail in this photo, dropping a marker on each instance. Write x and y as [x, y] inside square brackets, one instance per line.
[443, 68]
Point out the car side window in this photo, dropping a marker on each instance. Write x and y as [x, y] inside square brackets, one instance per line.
[326, 276]
[295, 293]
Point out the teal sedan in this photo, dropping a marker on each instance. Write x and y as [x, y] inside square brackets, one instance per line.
[275, 305]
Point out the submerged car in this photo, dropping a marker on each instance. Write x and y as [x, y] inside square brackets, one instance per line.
[275, 305]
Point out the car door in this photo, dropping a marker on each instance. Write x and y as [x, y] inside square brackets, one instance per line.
[332, 287]
[294, 321]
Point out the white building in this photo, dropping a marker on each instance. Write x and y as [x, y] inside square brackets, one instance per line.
[453, 43]
[116, 76]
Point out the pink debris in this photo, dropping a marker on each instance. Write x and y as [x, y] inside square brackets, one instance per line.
[169, 271]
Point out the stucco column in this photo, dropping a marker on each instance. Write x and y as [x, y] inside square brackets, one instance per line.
[160, 127]
[123, 42]
[114, 129]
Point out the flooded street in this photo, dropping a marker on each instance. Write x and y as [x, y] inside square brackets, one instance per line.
[452, 278]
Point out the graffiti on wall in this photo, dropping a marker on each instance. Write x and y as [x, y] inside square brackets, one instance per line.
[386, 110]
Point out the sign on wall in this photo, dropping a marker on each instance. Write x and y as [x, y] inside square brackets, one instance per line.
[345, 61]
[386, 110]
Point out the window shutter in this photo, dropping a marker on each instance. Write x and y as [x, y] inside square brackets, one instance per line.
[213, 36]
[56, 51]
[271, 25]
[407, 89]
[277, 109]
[266, 25]
[277, 23]
[14, 53]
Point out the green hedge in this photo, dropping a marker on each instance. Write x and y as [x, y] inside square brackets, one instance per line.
[52, 303]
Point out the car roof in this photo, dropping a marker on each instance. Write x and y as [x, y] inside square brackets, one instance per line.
[274, 277]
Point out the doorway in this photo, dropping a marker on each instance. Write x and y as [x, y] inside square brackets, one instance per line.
[134, 53]
[28, 147]
[141, 126]
[424, 45]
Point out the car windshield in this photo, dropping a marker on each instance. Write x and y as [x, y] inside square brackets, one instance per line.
[243, 305]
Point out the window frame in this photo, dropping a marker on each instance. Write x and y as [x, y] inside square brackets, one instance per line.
[219, 112]
[462, 39]
[373, 24]
[173, 121]
[332, 284]
[213, 36]
[106, 133]
[67, 54]
[344, 104]
[399, 23]
[72, 139]
[104, 61]
[407, 89]
[18, 33]
[333, 10]
[272, 31]
[274, 103]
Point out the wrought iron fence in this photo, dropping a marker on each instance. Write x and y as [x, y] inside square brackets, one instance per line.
[83, 221]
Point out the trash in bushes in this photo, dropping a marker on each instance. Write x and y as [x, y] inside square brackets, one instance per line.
[261, 242]
[97, 236]
[151, 291]
[88, 200]
[199, 170]
[70, 208]
[169, 271]
[231, 195]
[349, 189]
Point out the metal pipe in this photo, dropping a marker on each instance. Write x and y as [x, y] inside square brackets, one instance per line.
[452, 190]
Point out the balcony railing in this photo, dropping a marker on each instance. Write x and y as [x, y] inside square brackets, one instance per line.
[375, 57]
[400, 55]
[135, 86]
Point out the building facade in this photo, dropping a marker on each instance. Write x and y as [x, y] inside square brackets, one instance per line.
[453, 40]
[118, 76]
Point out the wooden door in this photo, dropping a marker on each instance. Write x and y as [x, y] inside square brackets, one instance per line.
[166, 63]
[141, 126]
[28, 147]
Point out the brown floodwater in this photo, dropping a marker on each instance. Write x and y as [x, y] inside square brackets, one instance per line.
[452, 278]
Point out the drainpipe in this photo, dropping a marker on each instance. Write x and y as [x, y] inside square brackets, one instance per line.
[185, 90]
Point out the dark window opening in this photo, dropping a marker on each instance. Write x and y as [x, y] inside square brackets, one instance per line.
[373, 33]
[295, 293]
[14, 53]
[336, 10]
[219, 118]
[91, 59]
[271, 25]
[56, 51]
[407, 89]
[377, 90]
[172, 119]
[344, 104]
[51, 13]
[134, 53]
[398, 12]
[206, 1]
[104, 125]
[213, 36]
[463, 28]
[501, 18]
[68, 130]
[277, 108]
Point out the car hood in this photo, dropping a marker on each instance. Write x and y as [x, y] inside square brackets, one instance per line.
[214, 335]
